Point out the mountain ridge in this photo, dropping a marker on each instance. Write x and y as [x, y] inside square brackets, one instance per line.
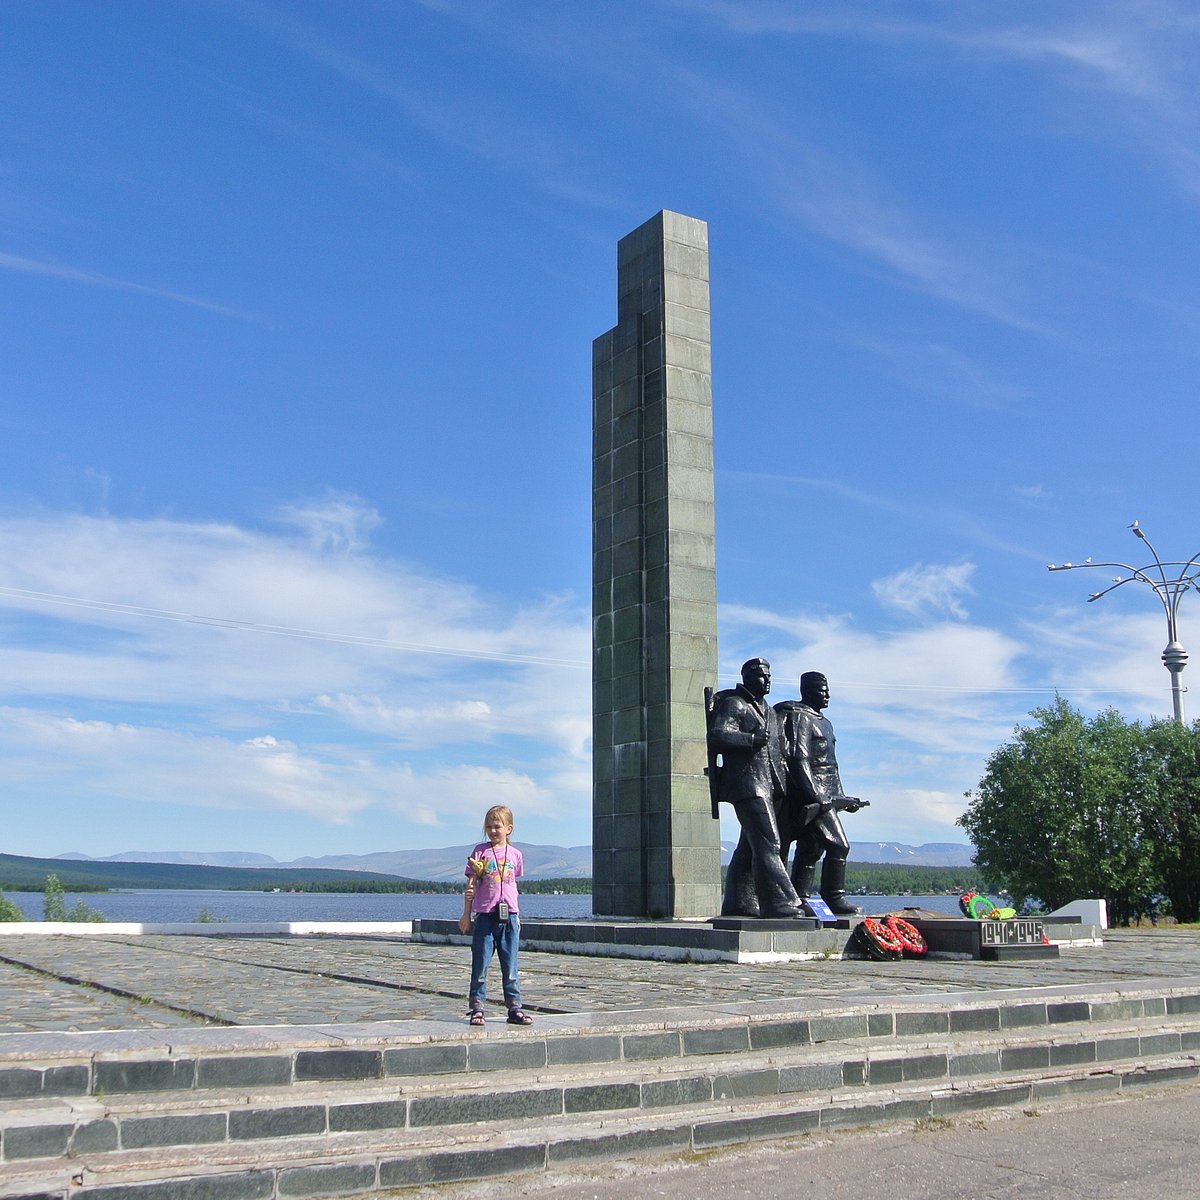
[445, 863]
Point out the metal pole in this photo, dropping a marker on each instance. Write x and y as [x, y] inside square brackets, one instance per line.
[1175, 659]
[1169, 591]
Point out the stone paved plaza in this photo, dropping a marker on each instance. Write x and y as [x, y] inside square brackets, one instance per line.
[155, 982]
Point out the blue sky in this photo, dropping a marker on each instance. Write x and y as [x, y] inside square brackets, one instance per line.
[296, 311]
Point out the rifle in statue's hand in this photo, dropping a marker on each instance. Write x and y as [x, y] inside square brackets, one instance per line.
[713, 770]
[850, 804]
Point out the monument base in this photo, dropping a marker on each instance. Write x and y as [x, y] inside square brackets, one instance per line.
[993, 941]
[753, 940]
[723, 939]
[1008, 953]
[774, 924]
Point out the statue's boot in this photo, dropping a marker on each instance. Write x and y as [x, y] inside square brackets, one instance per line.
[777, 897]
[833, 888]
[802, 878]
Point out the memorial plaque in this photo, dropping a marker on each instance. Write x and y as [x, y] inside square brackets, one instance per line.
[1016, 932]
[964, 937]
[819, 909]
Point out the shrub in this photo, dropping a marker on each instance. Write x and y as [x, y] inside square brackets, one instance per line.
[54, 905]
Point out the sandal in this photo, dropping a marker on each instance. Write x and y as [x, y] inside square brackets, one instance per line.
[475, 1017]
[517, 1017]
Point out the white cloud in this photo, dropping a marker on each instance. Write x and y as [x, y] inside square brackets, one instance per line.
[912, 815]
[476, 124]
[1034, 493]
[124, 700]
[436, 722]
[923, 590]
[114, 764]
[48, 270]
[338, 521]
[256, 672]
[119, 764]
[839, 200]
[945, 373]
[454, 796]
[824, 188]
[1134, 63]
[1102, 656]
[940, 687]
[945, 517]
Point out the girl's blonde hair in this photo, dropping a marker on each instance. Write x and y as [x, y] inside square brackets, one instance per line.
[498, 810]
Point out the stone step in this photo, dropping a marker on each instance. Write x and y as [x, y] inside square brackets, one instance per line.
[423, 1096]
[63, 1065]
[534, 1090]
[370, 1164]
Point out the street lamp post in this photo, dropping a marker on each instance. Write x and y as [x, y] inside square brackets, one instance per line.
[1169, 591]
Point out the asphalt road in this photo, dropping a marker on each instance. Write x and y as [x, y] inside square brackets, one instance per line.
[1147, 1147]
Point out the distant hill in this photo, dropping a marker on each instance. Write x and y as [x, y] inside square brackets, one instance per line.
[213, 858]
[18, 873]
[445, 864]
[928, 854]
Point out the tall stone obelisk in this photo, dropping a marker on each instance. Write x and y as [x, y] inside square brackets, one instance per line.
[656, 848]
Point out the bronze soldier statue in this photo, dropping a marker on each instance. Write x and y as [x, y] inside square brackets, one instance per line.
[744, 730]
[814, 796]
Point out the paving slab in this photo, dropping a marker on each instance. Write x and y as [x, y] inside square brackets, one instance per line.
[130, 982]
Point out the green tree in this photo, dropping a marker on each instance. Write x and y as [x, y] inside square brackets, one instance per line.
[54, 904]
[1171, 813]
[9, 911]
[1057, 813]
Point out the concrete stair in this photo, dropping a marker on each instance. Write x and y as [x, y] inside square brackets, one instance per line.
[363, 1110]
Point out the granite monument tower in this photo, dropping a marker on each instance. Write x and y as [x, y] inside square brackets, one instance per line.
[654, 623]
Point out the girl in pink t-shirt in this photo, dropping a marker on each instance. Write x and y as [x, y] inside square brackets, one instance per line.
[490, 914]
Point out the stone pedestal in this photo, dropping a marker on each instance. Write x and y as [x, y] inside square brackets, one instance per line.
[995, 941]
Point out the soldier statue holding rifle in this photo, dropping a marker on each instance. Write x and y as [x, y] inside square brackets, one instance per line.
[743, 730]
[813, 795]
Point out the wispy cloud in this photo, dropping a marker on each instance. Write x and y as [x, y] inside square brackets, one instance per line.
[816, 183]
[337, 150]
[1141, 56]
[49, 270]
[337, 521]
[945, 373]
[204, 635]
[916, 710]
[1138, 56]
[922, 590]
[123, 762]
[475, 124]
[108, 763]
[1033, 493]
[1106, 655]
[838, 200]
[359, 731]
[962, 523]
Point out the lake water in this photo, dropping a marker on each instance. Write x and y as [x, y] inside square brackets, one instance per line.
[188, 905]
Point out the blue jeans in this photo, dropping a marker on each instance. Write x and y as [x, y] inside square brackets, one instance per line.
[489, 933]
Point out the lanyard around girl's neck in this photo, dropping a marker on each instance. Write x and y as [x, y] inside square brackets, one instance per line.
[500, 865]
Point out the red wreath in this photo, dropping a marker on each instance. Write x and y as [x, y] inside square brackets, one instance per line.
[878, 940]
[907, 934]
